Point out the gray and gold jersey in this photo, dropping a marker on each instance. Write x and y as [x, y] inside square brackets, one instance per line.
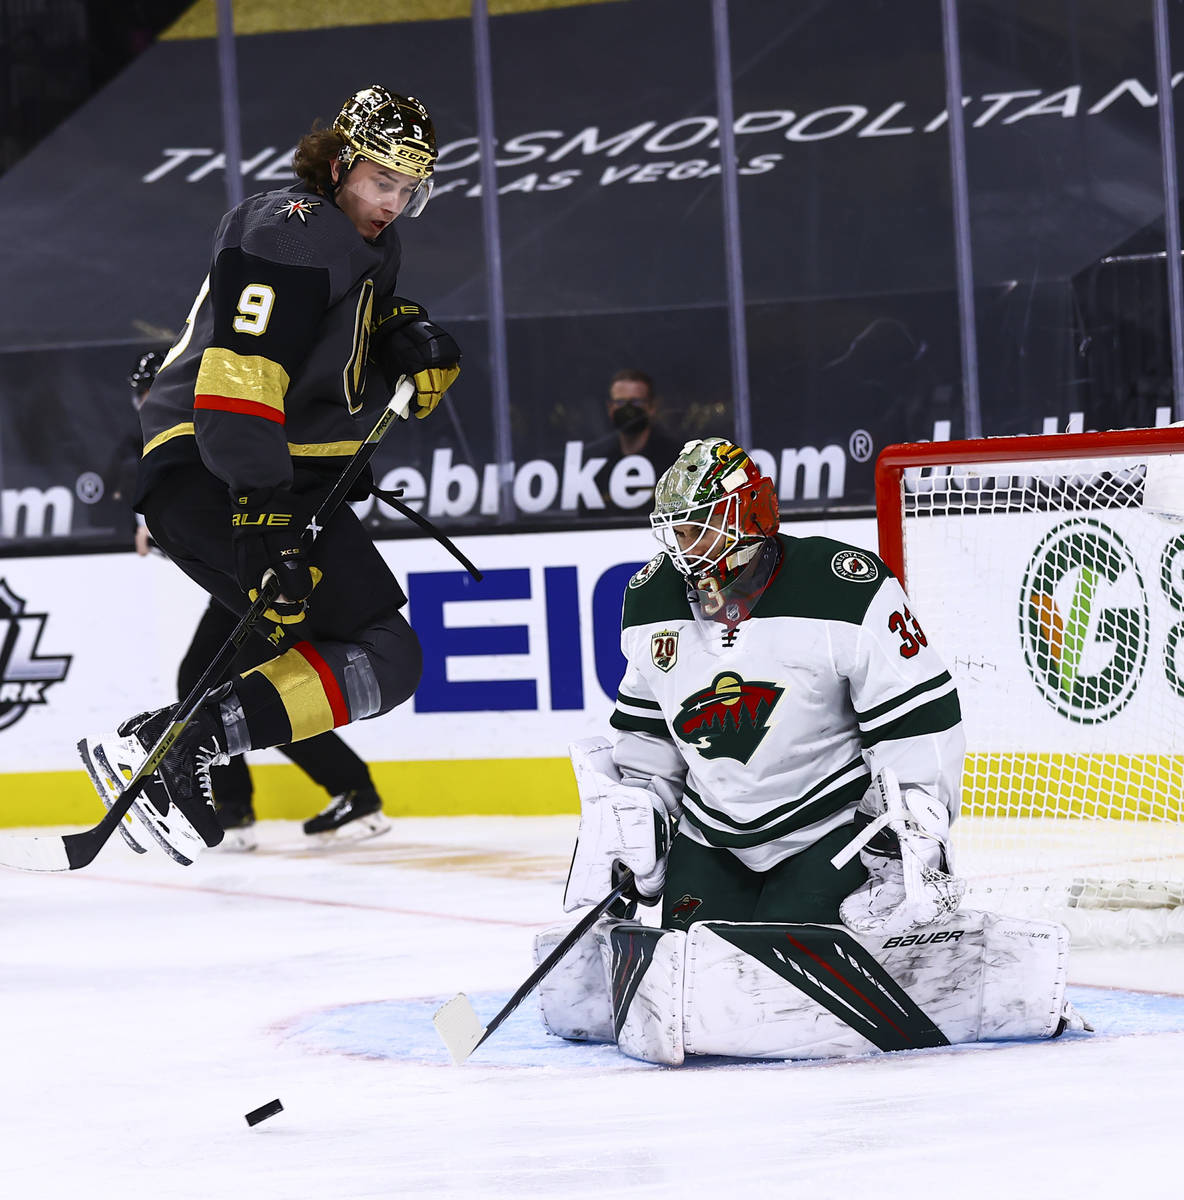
[772, 730]
[270, 370]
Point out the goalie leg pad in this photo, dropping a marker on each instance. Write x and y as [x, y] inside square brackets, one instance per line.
[795, 991]
[575, 999]
[646, 968]
[807, 991]
[1025, 969]
[622, 981]
[817, 991]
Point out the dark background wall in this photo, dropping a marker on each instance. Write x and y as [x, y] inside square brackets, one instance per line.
[612, 233]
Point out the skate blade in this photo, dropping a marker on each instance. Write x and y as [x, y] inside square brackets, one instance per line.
[372, 826]
[88, 761]
[158, 836]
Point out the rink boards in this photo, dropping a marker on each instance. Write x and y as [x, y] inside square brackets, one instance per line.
[516, 667]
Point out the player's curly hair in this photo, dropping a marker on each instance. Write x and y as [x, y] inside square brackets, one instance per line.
[314, 152]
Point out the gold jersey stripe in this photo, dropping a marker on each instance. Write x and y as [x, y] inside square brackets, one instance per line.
[300, 688]
[323, 449]
[288, 16]
[242, 377]
[295, 449]
[185, 429]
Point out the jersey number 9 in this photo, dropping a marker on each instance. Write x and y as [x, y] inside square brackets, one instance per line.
[254, 309]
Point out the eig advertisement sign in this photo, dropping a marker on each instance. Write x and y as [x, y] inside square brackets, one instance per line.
[516, 667]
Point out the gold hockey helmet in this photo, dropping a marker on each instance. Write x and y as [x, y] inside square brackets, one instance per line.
[391, 130]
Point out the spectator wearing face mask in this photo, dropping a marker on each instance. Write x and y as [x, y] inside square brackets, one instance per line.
[631, 407]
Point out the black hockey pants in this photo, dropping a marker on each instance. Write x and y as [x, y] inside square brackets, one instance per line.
[354, 655]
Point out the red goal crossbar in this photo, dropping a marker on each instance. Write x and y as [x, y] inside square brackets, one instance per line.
[893, 461]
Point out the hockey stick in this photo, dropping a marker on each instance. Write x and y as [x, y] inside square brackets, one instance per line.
[392, 498]
[458, 1025]
[68, 852]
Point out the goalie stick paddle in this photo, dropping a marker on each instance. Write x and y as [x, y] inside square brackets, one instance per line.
[68, 852]
[460, 1028]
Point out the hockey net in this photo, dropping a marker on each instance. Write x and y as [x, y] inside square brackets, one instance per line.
[1048, 572]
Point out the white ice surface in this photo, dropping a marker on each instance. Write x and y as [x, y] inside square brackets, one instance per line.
[148, 1007]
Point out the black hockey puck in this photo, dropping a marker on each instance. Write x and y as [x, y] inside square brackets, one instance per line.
[264, 1111]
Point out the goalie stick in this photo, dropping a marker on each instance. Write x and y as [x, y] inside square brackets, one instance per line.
[68, 852]
[460, 1028]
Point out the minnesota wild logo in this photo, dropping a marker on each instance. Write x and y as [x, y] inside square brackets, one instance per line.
[729, 719]
[1084, 621]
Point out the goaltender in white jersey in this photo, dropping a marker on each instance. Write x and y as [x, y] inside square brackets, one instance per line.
[771, 721]
[785, 768]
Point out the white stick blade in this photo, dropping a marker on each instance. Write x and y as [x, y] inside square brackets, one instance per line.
[33, 853]
[459, 1027]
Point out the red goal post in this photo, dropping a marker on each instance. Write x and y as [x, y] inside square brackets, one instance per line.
[1048, 572]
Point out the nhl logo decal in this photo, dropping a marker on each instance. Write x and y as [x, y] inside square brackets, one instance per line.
[855, 566]
[24, 673]
[664, 649]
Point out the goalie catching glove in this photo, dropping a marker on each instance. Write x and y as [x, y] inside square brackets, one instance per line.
[404, 342]
[905, 851]
[267, 526]
[619, 823]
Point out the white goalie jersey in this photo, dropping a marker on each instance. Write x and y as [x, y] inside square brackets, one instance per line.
[771, 730]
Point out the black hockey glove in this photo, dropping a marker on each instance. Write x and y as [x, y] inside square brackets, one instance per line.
[267, 525]
[404, 342]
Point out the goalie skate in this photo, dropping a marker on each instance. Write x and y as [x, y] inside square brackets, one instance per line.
[351, 817]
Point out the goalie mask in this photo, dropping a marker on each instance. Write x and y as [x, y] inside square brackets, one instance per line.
[713, 510]
[393, 131]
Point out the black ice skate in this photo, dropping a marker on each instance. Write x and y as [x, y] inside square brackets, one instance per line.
[175, 808]
[351, 817]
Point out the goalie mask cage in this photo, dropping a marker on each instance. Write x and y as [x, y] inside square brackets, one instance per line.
[1048, 573]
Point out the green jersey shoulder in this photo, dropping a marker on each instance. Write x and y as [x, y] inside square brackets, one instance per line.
[655, 593]
[823, 578]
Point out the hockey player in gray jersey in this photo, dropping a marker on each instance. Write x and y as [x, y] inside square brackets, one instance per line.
[784, 774]
[251, 419]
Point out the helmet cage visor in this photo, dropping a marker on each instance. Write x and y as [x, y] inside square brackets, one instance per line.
[699, 538]
[419, 199]
[377, 191]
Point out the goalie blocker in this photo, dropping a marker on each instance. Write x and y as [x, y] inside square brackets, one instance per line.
[806, 991]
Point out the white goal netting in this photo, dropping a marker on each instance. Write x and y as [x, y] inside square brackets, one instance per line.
[1054, 591]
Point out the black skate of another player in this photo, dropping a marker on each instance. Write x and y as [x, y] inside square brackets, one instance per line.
[351, 817]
